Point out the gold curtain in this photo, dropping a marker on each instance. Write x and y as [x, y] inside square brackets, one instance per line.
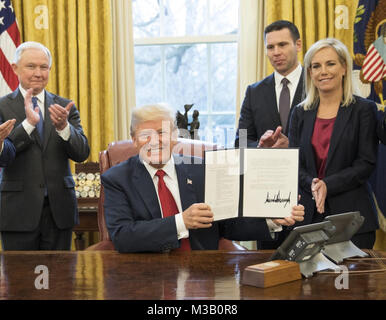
[79, 36]
[315, 19]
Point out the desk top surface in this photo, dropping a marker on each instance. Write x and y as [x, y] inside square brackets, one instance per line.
[195, 275]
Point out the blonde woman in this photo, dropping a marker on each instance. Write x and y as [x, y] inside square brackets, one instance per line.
[336, 133]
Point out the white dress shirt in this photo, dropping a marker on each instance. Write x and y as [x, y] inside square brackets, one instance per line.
[293, 79]
[171, 182]
[29, 128]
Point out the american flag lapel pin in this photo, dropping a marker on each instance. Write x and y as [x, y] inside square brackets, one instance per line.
[188, 181]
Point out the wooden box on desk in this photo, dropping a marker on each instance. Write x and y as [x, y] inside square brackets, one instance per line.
[271, 273]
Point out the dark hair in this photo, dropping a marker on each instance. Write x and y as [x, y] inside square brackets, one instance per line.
[283, 24]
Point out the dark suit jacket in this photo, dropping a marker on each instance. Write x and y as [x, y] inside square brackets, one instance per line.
[8, 153]
[38, 166]
[351, 160]
[259, 111]
[381, 129]
[133, 215]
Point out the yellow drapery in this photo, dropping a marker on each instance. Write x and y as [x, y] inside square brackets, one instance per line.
[79, 36]
[315, 20]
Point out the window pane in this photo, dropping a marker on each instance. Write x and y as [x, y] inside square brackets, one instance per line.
[187, 76]
[223, 16]
[219, 129]
[146, 18]
[184, 17]
[224, 73]
[172, 18]
[148, 75]
[186, 79]
[199, 74]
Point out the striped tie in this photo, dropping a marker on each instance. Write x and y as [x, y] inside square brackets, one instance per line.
[40, 124]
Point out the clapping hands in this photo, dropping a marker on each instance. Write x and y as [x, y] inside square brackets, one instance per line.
[31, 113]
[59, 115]
[6, 128]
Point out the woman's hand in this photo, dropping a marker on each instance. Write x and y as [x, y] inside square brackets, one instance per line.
[319, 193]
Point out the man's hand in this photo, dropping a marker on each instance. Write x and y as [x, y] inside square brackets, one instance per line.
[5, 129]
[319, 193]
[59, 115]
[275, 139]
[297, 215]
[197, 216]
[32, 114]
[267, 140]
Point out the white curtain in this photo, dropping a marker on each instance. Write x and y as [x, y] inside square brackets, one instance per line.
[123, 61]
[251, 54]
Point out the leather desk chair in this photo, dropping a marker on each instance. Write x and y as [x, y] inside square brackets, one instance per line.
[122, 150]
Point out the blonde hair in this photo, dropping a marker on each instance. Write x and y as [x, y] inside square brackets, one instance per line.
[312, 94]
[151, 112]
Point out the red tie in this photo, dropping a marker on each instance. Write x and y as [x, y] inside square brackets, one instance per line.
[168, 204]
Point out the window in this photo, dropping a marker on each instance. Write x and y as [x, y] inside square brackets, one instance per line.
[186, 53]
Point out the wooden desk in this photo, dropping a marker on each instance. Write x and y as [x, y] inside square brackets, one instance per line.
[195, 275]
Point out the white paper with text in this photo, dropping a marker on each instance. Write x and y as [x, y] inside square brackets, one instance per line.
[270, 182]
[222, 182]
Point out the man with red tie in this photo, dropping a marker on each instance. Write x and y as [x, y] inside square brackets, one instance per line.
[154, 201]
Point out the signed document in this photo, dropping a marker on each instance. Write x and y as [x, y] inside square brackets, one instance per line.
[251, 182]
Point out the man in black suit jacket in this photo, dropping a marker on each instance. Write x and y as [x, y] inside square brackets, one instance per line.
[260, 123]
[260, 112]
[134, 209]
[38, 203]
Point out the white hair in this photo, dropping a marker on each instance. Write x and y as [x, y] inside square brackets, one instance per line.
[32, 45]
[152, 112]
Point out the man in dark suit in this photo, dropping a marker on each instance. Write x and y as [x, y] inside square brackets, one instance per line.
[260, 110]
[261, 122]
[38, 203]
[155, 201]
